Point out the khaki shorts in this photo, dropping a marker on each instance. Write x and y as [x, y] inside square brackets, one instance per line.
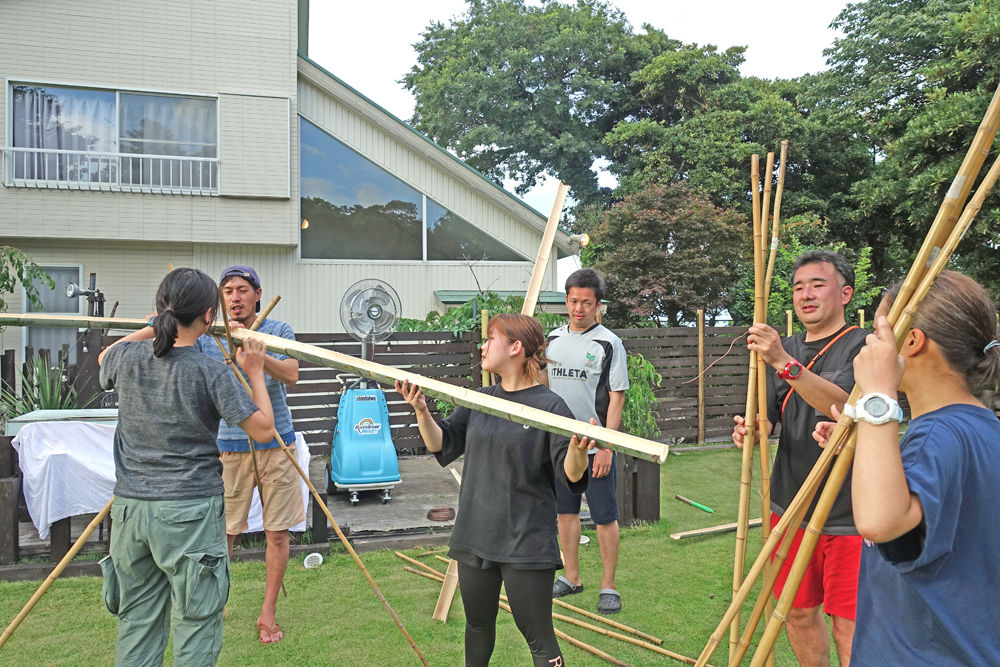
[280, 492]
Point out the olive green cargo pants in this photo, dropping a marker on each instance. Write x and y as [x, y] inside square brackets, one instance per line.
[168, 558]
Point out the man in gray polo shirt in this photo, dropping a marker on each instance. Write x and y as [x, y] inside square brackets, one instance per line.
[589, 372]
[278, 484]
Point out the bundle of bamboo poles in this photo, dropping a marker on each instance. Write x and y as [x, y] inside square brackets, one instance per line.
[950, 224]
[756, 403]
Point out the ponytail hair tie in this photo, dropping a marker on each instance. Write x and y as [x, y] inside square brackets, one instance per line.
[991, 344]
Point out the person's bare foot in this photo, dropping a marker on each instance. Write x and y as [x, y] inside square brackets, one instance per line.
[269, 633]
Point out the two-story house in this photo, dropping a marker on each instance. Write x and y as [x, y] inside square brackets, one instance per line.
[138, 135]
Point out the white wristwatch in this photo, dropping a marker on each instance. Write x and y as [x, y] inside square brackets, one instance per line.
[875, 409]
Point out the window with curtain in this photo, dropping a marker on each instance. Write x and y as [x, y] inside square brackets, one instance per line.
[121, 139]
[63, 119]
[161, 125]
[357, 210]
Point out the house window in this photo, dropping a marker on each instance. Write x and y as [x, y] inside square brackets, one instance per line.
[79, 138]
[357, 210]
[54, 301]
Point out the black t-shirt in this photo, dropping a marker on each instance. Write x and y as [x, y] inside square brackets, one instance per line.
[798, 451]
[507, 504]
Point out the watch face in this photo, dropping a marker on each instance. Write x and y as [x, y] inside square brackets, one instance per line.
[794, 370]
[876, 406]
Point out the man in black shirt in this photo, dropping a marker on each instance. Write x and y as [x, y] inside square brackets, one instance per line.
[809, 373]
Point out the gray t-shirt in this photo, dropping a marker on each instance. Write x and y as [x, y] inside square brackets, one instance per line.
[587, 366]
[168, 419]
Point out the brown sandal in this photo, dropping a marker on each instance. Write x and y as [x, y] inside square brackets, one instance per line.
[271, 631]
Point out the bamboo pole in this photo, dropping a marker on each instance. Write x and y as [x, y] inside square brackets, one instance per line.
[440, 580]
[521, 414]
[746, 469]
[766, 205]
[760, 317]
[447, 594]
[624, 638]
[714, 530]
[262, 315]
[776, 222]
[329, 517]
[542, 260]
[54, 574]
[788, 323]
[422, 566]
[900, 317]
[606, 621]
[861, 317]
[701, 375]
[586, 647]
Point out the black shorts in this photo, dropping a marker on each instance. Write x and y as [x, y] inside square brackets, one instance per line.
[602, 495]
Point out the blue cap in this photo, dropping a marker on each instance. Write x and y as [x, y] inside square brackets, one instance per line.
[246, 273]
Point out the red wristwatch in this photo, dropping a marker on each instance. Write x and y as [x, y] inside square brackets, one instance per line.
[792, 371]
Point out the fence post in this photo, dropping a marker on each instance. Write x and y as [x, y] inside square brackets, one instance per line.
[9, 494]
[8, 380]
[701, 377]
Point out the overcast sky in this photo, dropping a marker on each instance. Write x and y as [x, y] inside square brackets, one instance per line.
[369, 44]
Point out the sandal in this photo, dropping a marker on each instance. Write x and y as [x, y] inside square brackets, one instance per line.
[271, 632]
[609, 601]
[564, 587]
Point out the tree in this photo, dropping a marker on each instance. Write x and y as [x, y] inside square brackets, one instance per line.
[518, 91]
[17, 268]
[667, 252]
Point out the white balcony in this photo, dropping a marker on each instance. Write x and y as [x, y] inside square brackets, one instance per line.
[110, 172]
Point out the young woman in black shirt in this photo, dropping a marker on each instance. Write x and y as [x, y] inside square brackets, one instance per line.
[505, 532]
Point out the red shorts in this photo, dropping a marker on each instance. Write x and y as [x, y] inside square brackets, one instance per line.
[831, 579]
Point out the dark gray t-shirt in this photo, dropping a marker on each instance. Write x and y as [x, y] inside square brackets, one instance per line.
[168, 419]
[797, 450]
[507, 505]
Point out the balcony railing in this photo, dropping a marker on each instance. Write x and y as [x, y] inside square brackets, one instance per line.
[111, 172]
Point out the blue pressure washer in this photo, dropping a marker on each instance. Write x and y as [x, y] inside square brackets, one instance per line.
[363, 457]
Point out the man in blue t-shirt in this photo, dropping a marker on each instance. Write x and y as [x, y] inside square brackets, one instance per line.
[278, 483]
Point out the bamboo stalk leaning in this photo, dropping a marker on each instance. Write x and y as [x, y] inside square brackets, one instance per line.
[766, 205]
[54, 574]
[900, 318]
[776, 222]
[262, 315]
[746, 468]
[760, 317]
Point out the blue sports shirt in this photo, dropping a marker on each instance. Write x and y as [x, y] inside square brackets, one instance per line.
[932, 596]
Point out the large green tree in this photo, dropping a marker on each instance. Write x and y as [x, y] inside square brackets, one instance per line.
[520, 90]
[668, 251]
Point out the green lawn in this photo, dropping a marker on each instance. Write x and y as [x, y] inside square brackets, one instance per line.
[676, 590]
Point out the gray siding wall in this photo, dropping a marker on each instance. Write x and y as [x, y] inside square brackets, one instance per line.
[244, 47]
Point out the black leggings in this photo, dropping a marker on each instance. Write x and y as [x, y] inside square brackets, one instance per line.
[530, 597]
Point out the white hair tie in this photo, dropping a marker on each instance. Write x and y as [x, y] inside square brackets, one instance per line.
[991, 344]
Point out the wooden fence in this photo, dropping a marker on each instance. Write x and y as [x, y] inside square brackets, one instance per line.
[689, 410]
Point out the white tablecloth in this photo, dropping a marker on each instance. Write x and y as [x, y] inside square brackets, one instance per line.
[69, 469]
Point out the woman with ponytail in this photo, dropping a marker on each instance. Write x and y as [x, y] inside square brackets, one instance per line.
[168, 559]
[929, 589]
[504, 533]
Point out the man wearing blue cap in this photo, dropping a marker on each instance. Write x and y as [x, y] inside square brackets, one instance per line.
[278, 482]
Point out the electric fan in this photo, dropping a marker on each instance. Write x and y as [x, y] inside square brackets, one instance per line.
[363, 457]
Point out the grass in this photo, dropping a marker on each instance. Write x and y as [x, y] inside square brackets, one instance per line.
[676, 590]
